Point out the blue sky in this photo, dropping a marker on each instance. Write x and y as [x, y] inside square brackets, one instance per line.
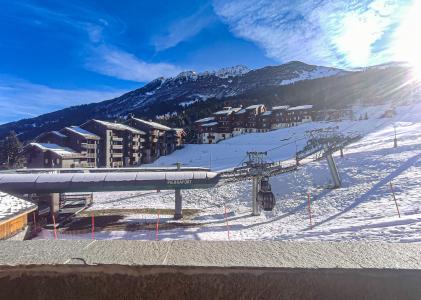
[54, 54]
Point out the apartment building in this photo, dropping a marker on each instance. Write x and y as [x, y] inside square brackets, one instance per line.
[47, 155]
[120, 145]
[159, 139]
[296, 115]
[84, 142]
[52, 137]
[254, 118]
[74, 138]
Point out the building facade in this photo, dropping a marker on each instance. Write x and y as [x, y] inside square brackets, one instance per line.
[230, 122]
[159, 139]
[120, 145]
[84, 142]
[45, 155]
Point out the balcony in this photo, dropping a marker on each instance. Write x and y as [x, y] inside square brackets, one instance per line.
[116, 155]
[117, 146]
[116, 139]
[88, 146]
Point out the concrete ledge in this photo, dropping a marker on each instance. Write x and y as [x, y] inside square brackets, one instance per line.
[214, 254]
[208, 270]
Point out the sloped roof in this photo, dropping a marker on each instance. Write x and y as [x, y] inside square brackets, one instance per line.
[301, 107]
[254, 106]
[241, 111]
[204, 120]
[209, 124]
[11, 206]
[82, 132]
[152, 124]
[227, 111]
[59, 150]
[280, 107]
[58, 133]
[118, 126]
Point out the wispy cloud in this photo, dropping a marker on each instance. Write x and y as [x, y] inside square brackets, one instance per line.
[118, 63]
[22, 99]
[101, 55]
[184, 28]
[342, 33]
[76, 17]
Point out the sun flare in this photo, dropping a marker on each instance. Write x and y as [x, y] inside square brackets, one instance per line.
[407, 41]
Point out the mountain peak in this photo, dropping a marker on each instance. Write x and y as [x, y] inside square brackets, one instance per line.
[233, 71]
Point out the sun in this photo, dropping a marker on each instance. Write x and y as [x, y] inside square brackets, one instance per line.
[407, 39]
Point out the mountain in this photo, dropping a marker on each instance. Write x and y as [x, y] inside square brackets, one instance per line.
[189, 95]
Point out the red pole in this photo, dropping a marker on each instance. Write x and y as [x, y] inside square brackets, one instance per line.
[157, 227]
[394, 198]
[93, 226]
[309, 209]
[55, 229]
[226, 220]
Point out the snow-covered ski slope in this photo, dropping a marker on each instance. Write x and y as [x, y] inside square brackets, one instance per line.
[280, 144]
[362, 209]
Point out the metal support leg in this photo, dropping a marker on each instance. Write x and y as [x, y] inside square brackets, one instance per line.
[52, 200]
[333, 170]
[255, 205]
[178, 214]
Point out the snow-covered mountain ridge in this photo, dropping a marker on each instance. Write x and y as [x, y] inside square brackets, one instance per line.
[191, 93]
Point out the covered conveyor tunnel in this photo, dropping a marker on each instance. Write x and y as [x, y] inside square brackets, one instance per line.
[97, 182]
[48, 186]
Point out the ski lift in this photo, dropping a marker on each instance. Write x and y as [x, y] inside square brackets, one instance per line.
[265, 185]
[265, 197]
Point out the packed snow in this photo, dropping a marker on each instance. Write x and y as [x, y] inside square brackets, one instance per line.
[362, 209]
[11, 206]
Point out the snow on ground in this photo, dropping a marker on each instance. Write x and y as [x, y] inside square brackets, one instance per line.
[362, 209]
[11, 206]
[231, 152]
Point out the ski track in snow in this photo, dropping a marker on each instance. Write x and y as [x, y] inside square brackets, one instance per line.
[362, 209]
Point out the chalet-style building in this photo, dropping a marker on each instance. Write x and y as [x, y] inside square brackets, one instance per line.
[52, 137]
[77, 139]
[265, 121]
[159, 139]
[46, 155]
[254, 118]
[180, 136]
[218, 127]
[333, 115]
[298, 114]
[278, 116]
[84, 142]
[120, 145]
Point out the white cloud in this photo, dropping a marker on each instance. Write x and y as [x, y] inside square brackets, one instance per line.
[102, 56]
[183, 29]
[341, 33]
[118, 63]
[23, 99]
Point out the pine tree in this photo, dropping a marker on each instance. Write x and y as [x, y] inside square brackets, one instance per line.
[10, 151]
